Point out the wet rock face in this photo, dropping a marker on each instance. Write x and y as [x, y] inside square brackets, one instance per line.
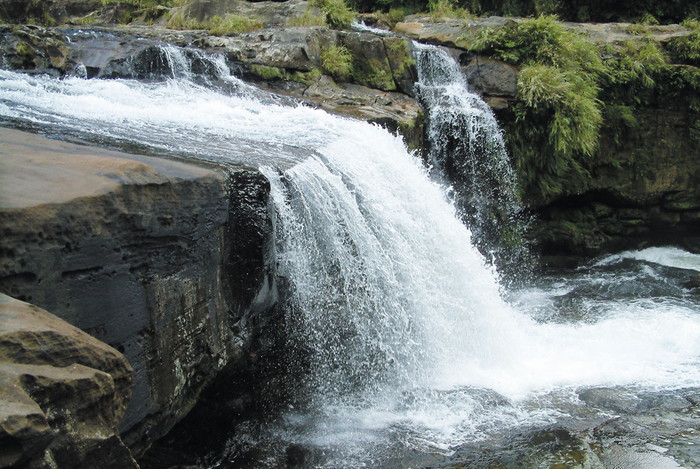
[131, 250]
[62, 393]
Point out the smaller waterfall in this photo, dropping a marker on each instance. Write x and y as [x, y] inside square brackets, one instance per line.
[468, 151]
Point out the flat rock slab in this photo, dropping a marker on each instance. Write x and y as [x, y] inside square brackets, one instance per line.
[36, 170]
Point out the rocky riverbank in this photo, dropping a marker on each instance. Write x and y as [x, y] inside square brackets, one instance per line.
[168, 262]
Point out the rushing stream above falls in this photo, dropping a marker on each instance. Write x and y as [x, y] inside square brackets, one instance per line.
[402, 338]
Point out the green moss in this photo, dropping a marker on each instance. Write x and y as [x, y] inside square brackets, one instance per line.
[306, 78]
[268, 73]
[142, 3]
[400, 52]
[374, 73]
[24, 48]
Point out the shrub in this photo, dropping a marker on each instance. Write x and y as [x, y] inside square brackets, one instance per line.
[217, 25]
[338, 14]
[446, 9]
[232, 24]
[558, 115]
[686, 49]
[337, 61]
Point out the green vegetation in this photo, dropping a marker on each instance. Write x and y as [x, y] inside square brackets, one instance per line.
[143, 3]
[24, 48]
[686, 49]
[665, 12]
[267, 72]
[557, 112]
[217, 25]
[337, 61]
[338, 14]
[233, 24]
[309, 18]
[440, 9]
[571, 90]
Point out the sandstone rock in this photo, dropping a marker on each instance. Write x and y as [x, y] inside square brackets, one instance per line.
[63, 393]
[131, 250]
[448, 31]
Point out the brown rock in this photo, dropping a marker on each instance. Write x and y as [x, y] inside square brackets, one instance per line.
[130, 249]
[62, 393]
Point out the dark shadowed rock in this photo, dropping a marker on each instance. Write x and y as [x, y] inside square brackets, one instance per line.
[34, 49]
[491, 77]
[62, 393]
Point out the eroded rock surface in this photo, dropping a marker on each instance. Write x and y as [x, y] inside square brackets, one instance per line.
[132, 250]
[62, 393]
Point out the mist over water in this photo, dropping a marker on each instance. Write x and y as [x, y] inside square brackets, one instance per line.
[404, 336]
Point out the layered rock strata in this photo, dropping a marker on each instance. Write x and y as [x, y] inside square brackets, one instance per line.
[62, 393]
[157, 258]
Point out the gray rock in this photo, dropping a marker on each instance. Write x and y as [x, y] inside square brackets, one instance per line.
[491, 77]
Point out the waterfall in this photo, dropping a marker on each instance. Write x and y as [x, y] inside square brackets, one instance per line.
[380, 268]
[394, 322]
[466, 148]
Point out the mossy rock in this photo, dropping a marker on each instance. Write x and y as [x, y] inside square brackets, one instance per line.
[37, 49]
[371, 65]
[401, 62]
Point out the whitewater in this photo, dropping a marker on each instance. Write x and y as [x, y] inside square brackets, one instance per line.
[404, 329]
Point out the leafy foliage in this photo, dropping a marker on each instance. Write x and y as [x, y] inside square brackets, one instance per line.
[667, 11]
[557, 110]
[337, 61]
[686, 49]
[338, 14]
[446, 9]
[233, 24]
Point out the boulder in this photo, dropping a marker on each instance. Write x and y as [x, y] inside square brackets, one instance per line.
[133, 250]
[35, 49]
[63, 393]
[491, 77]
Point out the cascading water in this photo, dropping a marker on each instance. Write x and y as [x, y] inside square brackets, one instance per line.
[466, 148]
[395, 322]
